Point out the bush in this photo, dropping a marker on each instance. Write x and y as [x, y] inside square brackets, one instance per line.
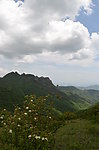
[31, 127]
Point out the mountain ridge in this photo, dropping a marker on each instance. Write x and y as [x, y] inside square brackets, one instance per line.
[14, 87]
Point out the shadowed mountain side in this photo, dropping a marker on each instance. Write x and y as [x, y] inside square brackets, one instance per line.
[14, 87]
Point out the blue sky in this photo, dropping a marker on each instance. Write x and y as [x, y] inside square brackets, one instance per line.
[35, 38]
[91, 21]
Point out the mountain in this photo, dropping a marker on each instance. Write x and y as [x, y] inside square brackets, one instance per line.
[86, 97]
[93, 87]
[14, 87]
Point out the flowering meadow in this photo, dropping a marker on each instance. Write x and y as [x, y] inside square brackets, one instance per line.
[30, 127]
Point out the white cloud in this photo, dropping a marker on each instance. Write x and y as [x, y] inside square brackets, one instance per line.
[35, 28]
[95, 41]
[2, 71]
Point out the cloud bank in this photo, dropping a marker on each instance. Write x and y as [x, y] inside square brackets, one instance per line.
[38, 27]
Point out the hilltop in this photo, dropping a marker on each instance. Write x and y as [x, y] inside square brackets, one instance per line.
[14, 87]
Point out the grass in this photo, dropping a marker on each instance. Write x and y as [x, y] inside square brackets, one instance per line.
[77, 135]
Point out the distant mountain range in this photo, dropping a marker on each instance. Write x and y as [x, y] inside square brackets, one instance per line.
[93, 87]
[14, 87]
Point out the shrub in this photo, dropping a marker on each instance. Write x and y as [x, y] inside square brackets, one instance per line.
[31, 127]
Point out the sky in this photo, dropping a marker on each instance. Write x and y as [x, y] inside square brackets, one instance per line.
[54, 38]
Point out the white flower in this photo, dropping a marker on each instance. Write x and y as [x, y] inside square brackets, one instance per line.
[19, 118]
[31, 100]
[37, 137]
[43, 138]
[1, 117]
[46, 139]
[35, 118]
[29, 136]
[27, 107]
[50, 117]
[30, 110]
[25, 113]
[10, 131]
[4, 123]
[18, 125]
[4, 109]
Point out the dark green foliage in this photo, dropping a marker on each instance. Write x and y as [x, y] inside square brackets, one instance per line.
[92, 113]
[14, 87]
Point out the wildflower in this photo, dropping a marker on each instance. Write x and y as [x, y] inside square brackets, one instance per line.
[25, 113]
[4, 109]
[46, 139]
[30, 110]
[31, 100]
[29, 136]
[19, 118]
[1, 117]
[37, 137]
[35, 118]
[50, 117]
[43, 138]
[27, 107]
[4, 123]
[18, 125]
[10, 131]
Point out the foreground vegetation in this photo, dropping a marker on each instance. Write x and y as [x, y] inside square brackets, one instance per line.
[77, 135]
[39, 126]
[29, 128]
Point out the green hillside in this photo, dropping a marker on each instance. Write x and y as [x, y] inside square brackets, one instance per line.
[14, 87]
[80, 133]
[77, 134]
[86, 97]
[91, 114]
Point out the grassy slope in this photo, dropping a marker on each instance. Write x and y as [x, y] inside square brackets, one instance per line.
[86, 97]
[77, 135]
[80, 134]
